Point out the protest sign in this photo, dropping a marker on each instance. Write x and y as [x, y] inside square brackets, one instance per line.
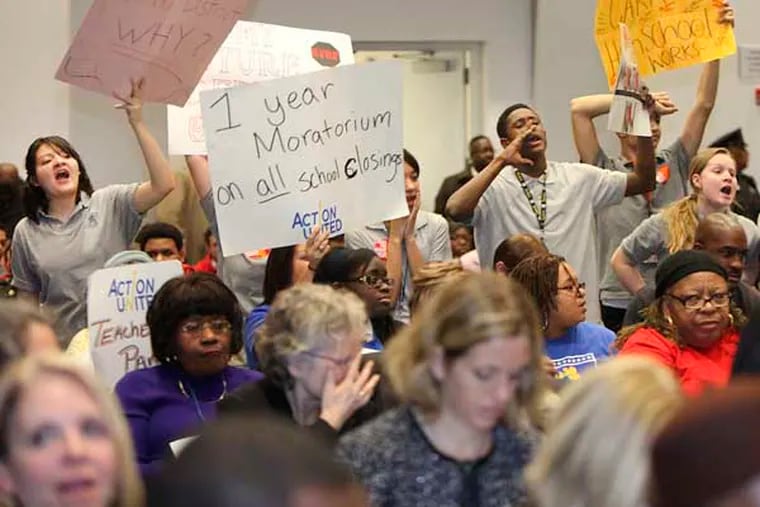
[254, 52]
[627, 112]
[666, 34]
[117, 300]
[318, 150]
[169, 43]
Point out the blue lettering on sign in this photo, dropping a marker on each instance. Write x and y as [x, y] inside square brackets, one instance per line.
[132, 295]
[327, 219]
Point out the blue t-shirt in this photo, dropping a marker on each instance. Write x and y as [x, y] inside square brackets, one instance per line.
[583, 346]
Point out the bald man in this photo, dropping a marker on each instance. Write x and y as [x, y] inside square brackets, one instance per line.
[723, 237]
[11, 195]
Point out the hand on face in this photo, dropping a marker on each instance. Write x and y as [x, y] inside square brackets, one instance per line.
[341, 400]
[512, 153]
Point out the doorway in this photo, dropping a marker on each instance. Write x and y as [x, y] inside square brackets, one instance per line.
[442, 100]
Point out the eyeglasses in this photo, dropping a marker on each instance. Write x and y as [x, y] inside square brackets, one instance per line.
[337, 362]
[196, 327]
[718, 300]
[576, 287]
[373, 280]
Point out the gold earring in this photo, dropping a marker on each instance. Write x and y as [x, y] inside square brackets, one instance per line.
[669, 320]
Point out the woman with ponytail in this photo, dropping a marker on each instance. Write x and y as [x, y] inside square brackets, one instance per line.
[712, 176]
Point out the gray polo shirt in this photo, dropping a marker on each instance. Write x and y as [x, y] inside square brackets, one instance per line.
[649, 243]
[616, 222]
[574, 192]
[432, 236]
[54, 258]
[243, 274]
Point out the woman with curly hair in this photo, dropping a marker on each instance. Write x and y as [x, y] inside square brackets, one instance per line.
[691, 326]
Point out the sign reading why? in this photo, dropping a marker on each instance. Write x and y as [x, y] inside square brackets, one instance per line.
[169, 43]
[322, 149]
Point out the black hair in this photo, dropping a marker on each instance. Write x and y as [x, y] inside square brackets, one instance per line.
[476, 139]
[278, 273]
[341, 266]
[514, 249]
[409, 159]
[207, 235]
[34, 197]
[195, 294]
[455, 226]
[502, 128]
[250, 462]
[159, 230]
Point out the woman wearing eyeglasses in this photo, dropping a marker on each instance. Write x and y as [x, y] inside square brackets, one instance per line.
[309, 348]
[362, 272]
[572, 344]
[691, 326]
[195, 327]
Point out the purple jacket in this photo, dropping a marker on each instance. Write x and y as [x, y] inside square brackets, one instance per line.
[159, 412]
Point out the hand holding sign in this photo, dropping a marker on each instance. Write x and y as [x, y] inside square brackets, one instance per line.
[132, 104]
[631, 103]
[664, 105]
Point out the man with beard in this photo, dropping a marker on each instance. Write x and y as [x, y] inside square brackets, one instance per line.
[481, 154]
[521, 191]
[11, 197]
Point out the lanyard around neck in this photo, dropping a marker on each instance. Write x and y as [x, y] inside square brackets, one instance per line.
[539, 211]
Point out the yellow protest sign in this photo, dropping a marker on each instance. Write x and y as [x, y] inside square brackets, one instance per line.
[666, 34]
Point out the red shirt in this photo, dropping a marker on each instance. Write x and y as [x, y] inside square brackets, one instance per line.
[696, 369]
[206, 265]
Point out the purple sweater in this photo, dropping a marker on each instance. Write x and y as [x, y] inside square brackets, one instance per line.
[159, 413]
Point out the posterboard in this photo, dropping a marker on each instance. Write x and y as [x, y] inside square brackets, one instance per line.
[254, 52]
[117, 301]
[169, 43]
[318, 150]
[627, 112]
[666, 34]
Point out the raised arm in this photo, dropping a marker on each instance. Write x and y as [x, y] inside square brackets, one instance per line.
[161, 181]
[461, 205]
[707, 90]
[643, 177]
[583, 110]
[198, 166]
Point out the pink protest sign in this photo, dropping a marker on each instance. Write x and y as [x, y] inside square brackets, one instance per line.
[168, 42]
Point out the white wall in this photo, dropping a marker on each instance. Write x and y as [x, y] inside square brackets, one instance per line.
[567, 65]
[33, 37]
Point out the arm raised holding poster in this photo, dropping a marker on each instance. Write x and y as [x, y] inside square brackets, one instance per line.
[331, 138]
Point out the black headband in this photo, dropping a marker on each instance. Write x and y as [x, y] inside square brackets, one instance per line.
[682, 264]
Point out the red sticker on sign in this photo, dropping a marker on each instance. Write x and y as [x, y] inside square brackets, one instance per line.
[325, 54]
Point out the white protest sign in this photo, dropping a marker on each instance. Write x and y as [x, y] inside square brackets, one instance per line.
[319, 150]
[254, 52]
[117, 300]
[627, 112]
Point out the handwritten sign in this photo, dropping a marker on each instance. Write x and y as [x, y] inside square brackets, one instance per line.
[168, 42]
[666, 34]
[627, 112]
[322, 149]
[254, 52]
[117, 301]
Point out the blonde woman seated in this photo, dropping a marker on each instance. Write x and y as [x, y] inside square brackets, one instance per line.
[309, 350]
[63, 440]
[468, 371]
[712, 175]
[431, 277]
[596, 452]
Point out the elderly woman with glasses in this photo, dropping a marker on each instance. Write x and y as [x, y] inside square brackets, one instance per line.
[691, 326]
[309, 349]
[570, 343]
[195, 327]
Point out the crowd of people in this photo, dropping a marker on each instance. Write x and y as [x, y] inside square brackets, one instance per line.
[553, 333]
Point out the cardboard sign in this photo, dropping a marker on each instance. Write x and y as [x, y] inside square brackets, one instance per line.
[318, 150]
[169, 43]
[627, 112]
[666, 34]
[117, 300]
[254, 52]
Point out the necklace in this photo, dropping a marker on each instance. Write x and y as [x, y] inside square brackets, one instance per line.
[194, 397]
[538, 211]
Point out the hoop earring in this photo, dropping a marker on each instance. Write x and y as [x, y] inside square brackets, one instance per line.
[669, 320]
